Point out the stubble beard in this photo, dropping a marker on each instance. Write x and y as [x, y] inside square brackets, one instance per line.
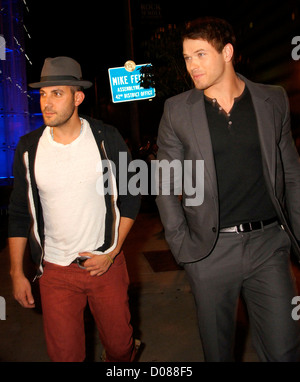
[59, 120]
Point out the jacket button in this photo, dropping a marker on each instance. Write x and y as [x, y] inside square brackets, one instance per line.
[214, 229]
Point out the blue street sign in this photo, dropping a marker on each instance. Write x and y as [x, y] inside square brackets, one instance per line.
[125, 85]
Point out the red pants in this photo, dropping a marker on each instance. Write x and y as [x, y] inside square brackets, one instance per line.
[65, 292]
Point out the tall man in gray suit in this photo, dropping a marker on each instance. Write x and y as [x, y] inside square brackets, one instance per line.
[238, 239]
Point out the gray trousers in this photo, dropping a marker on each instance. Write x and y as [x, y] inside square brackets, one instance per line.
[255, 265]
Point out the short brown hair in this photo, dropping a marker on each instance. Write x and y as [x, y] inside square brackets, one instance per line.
[75, 88]
[217, 32]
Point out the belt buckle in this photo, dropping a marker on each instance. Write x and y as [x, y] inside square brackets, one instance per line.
[245, 227]
[80, 260]
[240, 228]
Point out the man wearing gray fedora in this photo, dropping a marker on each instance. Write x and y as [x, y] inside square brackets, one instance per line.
[75, 229]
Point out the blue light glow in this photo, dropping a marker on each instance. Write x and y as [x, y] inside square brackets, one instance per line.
[15, 118]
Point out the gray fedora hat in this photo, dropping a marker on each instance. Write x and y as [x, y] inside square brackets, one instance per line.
[61, 71]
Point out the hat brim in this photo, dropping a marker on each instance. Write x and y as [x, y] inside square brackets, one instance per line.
[84, 84]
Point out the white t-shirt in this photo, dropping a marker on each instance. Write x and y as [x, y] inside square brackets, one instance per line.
[73, 210]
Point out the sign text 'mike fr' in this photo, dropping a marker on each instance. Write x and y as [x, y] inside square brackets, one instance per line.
[125, 85]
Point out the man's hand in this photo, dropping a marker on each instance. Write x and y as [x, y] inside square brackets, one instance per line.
[22, 291]
[97, 264]
[21, 285]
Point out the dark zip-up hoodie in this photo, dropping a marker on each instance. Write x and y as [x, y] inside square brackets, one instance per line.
[25, 209]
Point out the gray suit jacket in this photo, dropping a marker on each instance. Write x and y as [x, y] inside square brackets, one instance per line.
[192, 231]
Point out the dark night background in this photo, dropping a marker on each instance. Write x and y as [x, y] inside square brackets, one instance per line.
[96, 33]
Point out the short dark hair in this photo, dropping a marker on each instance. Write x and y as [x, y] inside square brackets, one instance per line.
[217, 32]
[75, 88]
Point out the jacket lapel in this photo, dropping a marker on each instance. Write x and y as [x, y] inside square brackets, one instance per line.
[265, 122]
[201, 134]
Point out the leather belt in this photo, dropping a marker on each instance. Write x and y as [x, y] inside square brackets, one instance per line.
[248, 227]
